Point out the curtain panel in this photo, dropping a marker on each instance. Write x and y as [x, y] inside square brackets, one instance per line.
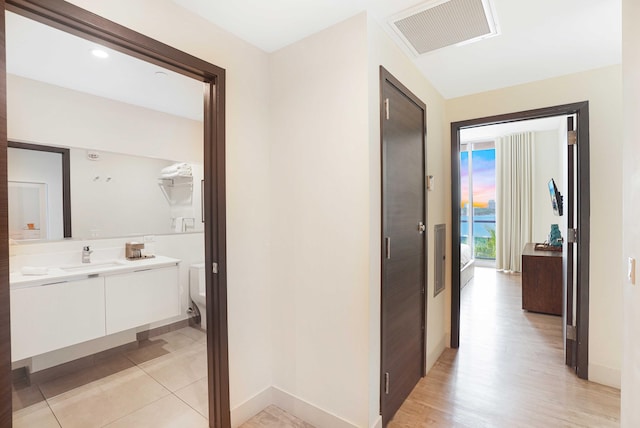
[514, 198]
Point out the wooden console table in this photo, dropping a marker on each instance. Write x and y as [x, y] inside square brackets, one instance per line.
[541, 280]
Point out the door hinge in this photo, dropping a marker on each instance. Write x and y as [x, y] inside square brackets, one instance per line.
[386, 108]
[572, 236]
[572, 138]
[214, 267]
[571, 332]
[386, 383]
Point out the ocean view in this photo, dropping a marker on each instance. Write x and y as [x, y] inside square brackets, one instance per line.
[481, 225]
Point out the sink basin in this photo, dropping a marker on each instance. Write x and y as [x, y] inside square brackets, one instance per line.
[91, 266]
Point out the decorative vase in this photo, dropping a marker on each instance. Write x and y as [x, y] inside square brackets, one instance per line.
[555, 237]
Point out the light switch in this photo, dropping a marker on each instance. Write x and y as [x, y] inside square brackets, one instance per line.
[631, 273]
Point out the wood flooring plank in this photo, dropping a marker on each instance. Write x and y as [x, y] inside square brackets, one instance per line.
[508, 372]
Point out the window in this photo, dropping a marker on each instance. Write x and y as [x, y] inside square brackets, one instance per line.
[478, 198]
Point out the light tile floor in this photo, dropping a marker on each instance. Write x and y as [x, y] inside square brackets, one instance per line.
[162, 383]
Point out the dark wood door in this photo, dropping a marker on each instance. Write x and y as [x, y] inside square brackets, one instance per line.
[403, 244]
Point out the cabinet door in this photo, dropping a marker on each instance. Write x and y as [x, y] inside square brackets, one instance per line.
[52, 316]
[141, 297]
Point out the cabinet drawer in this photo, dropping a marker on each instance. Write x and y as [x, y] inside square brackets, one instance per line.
[141, 297]
[53, 316]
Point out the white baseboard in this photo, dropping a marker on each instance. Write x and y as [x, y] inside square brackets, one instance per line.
[435, 353]
[605, 375]
[307, 412]
[377, 423]
[254, 405]
[291, 404]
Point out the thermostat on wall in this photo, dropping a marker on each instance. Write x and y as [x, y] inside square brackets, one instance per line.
[94, 156]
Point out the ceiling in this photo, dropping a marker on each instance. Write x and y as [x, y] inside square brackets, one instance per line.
[537, 39]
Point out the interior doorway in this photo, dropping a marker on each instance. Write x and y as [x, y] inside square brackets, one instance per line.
[74, 20]
[575, 288]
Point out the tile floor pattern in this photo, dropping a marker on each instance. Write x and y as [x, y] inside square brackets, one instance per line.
[162, 383]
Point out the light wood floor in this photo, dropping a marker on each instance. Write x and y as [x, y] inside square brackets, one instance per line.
[508, 372]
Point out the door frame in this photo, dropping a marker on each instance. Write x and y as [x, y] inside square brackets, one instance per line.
[70, 18]
[387, 77]
[581, 110]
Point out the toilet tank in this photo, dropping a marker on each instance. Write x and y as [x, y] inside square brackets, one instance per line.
[197, 282]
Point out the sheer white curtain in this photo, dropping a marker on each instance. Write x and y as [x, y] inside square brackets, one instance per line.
[514, 198]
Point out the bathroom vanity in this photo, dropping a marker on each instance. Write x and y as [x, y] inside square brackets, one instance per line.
[73, 304]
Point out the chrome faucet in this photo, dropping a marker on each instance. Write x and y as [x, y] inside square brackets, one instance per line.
[86, 254]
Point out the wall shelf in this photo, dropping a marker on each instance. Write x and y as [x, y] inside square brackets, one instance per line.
[177, 190]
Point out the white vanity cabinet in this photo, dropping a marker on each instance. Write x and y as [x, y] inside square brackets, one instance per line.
[141, 297]
[52, 316]
[73, 304]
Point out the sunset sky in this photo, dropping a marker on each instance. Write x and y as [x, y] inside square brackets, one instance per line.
[484, 177]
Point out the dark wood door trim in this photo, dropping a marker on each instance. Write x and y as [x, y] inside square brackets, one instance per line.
[5, 311]
[387, 78]
[581, 110]
[72, 19]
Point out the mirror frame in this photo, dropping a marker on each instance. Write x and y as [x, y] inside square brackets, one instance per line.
[75, 20]
[66, 178]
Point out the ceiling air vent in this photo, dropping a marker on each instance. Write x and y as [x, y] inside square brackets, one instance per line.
[435, 25]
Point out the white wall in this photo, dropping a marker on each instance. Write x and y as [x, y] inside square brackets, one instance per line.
[383, 51]
[248, 190]
[320, 219]
[326, 215]
[547, 165]
[602, 88]
[631, 213]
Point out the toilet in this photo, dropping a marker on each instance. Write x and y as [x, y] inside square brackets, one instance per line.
[197, 291]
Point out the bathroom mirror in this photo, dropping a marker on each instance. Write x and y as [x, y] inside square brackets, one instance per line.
[119, 118]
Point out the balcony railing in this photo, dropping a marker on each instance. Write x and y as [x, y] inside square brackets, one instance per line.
[484, 247]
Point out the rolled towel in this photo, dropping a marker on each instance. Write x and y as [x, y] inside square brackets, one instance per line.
[169, 169]
[169, 174]
[34, 270]
[176, 167]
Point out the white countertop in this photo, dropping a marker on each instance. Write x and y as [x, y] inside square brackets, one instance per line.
[57, 274]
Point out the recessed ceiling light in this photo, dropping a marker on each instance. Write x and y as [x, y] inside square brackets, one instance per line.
[99, 53]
